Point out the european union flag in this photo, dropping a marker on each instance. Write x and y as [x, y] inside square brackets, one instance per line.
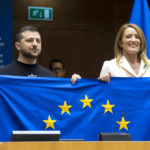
[79, 111]
[140, 15]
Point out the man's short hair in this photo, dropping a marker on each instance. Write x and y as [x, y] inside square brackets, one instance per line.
[25, 28]
[56, 61]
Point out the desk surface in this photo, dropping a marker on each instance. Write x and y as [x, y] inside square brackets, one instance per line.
[75, 145]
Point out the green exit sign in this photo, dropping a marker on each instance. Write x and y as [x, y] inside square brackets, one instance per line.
[40, 13]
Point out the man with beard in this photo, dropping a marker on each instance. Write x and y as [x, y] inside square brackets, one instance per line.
[28, 45]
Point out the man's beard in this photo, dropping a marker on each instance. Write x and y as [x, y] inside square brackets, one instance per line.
[28, 54]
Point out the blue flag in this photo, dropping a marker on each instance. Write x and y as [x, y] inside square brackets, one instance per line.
[140, 15]
[79, 111]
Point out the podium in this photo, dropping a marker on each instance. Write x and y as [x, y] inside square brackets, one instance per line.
[127, 145]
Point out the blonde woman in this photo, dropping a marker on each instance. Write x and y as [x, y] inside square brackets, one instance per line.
[130, 55]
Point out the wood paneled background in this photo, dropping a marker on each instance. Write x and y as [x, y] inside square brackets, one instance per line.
[82, 32]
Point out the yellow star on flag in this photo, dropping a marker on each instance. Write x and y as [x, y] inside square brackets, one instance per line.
[123, 124]
[86, 101]
[108, 107]
[65, 108]
[49, 122]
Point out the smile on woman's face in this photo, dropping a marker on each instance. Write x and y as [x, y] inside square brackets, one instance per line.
[130, 41]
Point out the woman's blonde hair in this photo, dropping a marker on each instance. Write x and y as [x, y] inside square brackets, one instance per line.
[119, 51]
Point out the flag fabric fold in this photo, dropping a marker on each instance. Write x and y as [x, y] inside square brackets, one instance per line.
[140, 15]
[79, 111]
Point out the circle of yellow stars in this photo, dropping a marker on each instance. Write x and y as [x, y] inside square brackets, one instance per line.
[86, 102]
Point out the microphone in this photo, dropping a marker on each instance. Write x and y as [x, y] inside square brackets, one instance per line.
[115, 128]
[123, 114]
